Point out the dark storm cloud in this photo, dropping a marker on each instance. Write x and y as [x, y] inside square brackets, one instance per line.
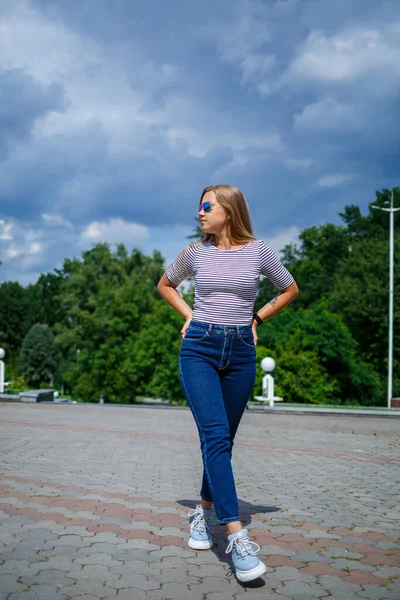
[23, 101]
[118, 114]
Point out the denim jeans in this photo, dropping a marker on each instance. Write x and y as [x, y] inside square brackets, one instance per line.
[217, 367]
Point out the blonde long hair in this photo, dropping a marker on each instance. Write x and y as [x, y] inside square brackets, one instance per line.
[239, 228]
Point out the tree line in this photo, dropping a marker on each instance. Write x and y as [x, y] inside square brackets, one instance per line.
[98, 327]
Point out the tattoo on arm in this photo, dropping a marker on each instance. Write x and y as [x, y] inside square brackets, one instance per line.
[274, 301]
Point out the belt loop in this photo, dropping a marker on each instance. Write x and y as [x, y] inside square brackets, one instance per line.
[209, 328]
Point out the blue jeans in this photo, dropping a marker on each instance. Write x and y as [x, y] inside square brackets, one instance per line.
[217, 367]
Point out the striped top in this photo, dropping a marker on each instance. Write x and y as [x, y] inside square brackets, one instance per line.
[226, 281]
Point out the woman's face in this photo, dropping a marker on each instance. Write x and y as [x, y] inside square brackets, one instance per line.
[214, 220]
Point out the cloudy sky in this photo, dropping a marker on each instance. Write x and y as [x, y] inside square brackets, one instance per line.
[115, 114]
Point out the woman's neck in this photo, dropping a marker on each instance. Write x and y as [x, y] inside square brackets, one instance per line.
[224, 243]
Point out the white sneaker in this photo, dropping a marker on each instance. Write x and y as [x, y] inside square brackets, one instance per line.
[200, 536]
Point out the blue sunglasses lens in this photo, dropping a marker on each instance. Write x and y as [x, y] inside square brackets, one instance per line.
[206, 206]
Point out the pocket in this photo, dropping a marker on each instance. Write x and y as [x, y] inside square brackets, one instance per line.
[195, 335]
[247, 339]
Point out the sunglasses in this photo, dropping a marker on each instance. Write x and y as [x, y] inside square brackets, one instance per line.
[206, 206]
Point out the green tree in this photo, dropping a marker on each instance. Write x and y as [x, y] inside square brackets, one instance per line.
[360, 295]
[39, 356]
[329, 355]
[106, 297]
[13, 309]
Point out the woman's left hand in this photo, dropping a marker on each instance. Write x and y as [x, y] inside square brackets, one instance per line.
[254, 331]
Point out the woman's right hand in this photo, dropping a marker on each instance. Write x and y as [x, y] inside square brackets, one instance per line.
[186, 326]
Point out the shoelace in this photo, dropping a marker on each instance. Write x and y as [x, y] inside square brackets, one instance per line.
[242, 546]
[199, 522]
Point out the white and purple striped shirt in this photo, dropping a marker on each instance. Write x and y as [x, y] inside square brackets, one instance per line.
[226, 281]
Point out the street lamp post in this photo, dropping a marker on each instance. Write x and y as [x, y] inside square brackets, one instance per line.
[390, 210]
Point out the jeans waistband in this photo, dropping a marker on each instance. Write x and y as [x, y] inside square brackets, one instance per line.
[220, 328]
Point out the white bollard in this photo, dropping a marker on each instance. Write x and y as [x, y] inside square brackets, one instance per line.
[2, 355]
[268, 364]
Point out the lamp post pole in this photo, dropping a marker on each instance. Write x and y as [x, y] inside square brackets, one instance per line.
[390, 210]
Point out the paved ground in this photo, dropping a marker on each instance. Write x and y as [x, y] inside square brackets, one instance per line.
[93, 503]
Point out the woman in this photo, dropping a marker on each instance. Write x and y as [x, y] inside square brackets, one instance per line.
[218, 357]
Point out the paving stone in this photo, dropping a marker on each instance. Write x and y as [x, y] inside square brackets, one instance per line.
[378, 592]
[353, 565]
[212, 584]
[86, 597]
[77, 530]
[51, 577]
[131, 594]
[138, 545]
[136, 566]
[221, 595]
[112, 538]
[20, 519]
[171, 551]
[63, 550]
[386, 572]
[171, 594]
[71, 540]
[9, 584]
[138, 554]
[175, 576]
[208, 570]
[98, 559]
[266, 550]
[134, 580]
[309, 556]
[207, 558]
[340, 552]
[28, 555]
[87, 586]
[288, 574]
[307, 597]
[172, 591]
[17, 567]
[308, 590]
[38, 592]
[314, 477]
[387, 545]
[62, 563]
[100, 571]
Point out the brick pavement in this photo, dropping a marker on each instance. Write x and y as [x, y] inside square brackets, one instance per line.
[93, 503]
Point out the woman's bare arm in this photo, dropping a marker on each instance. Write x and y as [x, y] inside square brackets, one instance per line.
[275, 305]
[280, 301]
[171, 295]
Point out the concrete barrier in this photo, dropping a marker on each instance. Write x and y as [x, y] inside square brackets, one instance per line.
[37, 396]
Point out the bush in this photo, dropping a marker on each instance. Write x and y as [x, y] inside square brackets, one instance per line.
[39, 356]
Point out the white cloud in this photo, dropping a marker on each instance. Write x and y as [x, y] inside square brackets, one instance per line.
[5, 230]
[327, 115]
[114, 231]
[298, 163]
[334, 180]
[56, 221]
[256, 66]
[45, 49]
[241, 43]
[21, 247]
[25, 250]
[348, 55]
[50, 52]
[124, 112]
[282, 238]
